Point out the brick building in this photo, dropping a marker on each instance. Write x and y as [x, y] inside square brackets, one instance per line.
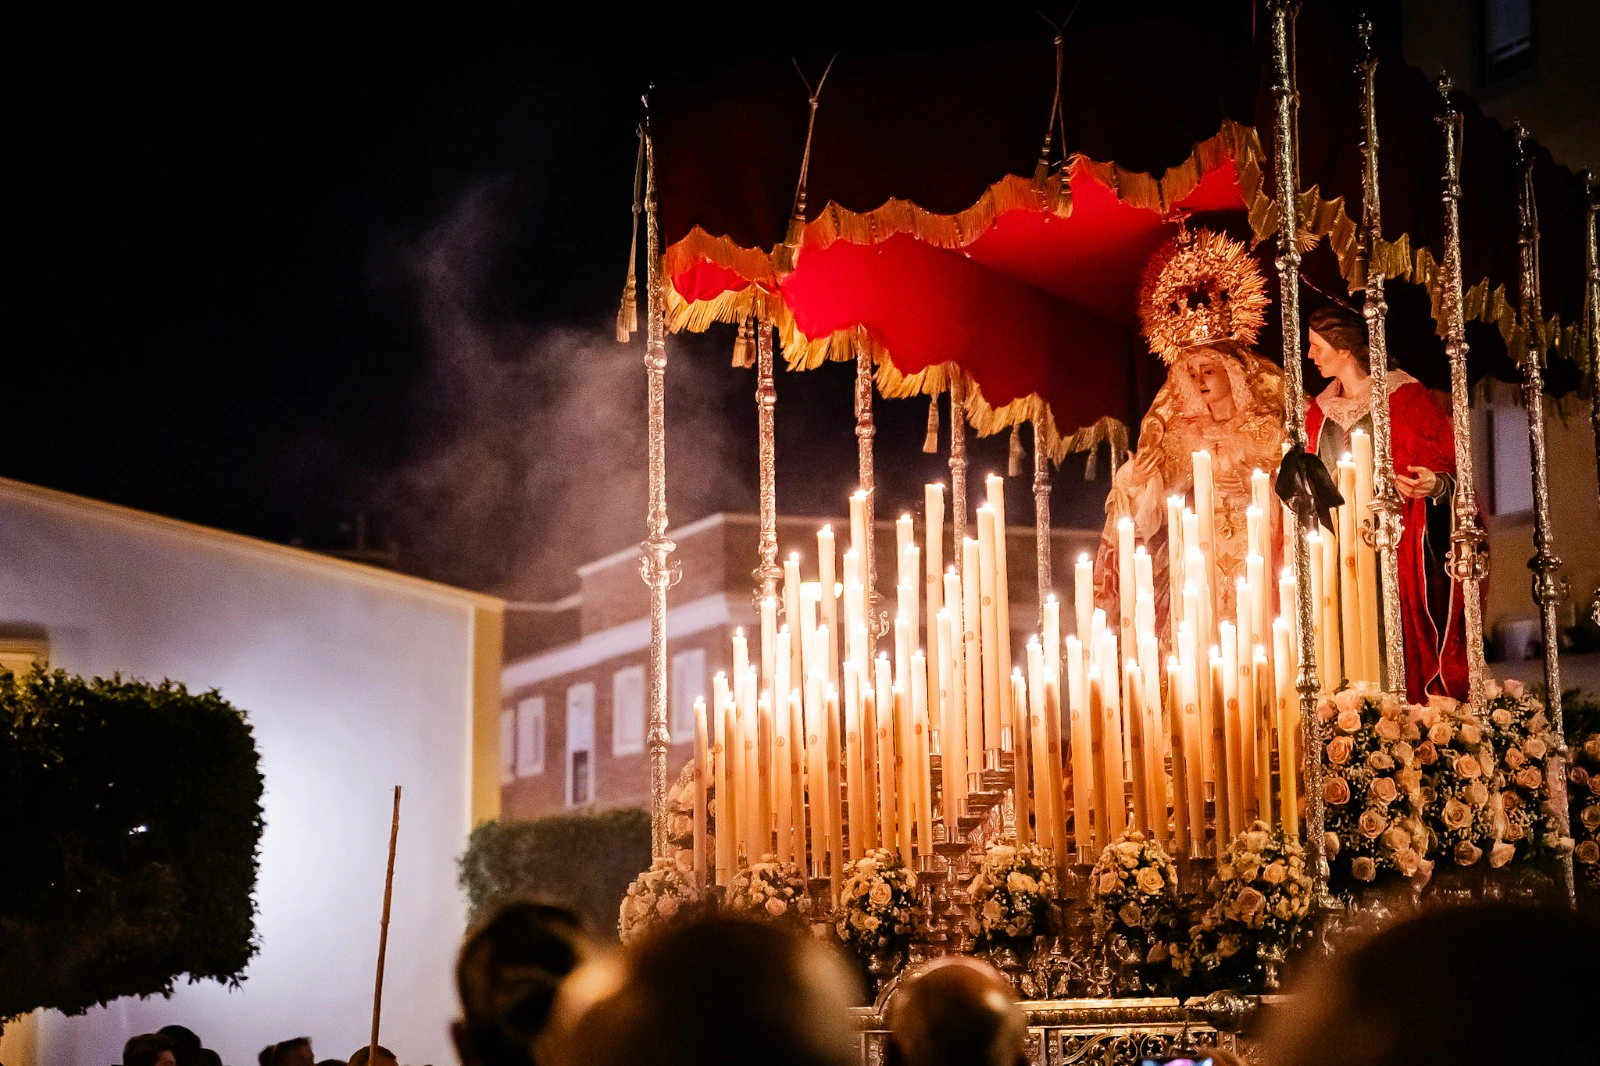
[572, 726]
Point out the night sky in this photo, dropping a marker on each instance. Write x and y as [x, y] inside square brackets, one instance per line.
[275, 267]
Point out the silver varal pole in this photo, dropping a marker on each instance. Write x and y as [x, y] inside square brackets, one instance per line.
[767, 573]
[958, 460]
[1469, 563]
[656, 567]
[1041, 512]
[1285, 164]
[1385, 529]
[865, 431]
[1591, 328]
[1548, 588]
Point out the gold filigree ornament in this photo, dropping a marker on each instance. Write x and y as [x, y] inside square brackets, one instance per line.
[1200, 288]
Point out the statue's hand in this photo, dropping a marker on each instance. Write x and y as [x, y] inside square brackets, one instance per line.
[1423, 484]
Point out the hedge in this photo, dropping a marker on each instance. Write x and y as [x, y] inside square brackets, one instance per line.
[130, 819]
[583, 861]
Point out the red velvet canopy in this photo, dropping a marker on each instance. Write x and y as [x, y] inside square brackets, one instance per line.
[925, 245]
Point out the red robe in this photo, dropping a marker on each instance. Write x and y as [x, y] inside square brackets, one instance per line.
[1435, 647]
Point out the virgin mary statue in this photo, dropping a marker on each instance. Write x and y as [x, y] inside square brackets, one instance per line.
[1202, 304]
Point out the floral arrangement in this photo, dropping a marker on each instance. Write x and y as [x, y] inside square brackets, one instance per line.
[660, 895]
[1133, 888]
[1261, 902]
[877, 903]
[1583, 801]
[1012, 893]
[1457, 763]
[1372, 786]
[769, 891]
[1522, 739]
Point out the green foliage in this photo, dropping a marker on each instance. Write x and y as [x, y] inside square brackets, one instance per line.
[132, 822]
[583, 861]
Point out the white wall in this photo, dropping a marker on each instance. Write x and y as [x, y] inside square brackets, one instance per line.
[352, 683]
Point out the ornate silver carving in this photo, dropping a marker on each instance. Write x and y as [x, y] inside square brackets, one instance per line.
[1469, 563]
[659, 570]
[1384, 529]
[865, 431]
[1548, 588]
[1591, 329]
[1285, 162]
[958, 460]
[767, 572]
[1041, 514]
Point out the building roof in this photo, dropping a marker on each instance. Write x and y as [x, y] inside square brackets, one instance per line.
[85, 509]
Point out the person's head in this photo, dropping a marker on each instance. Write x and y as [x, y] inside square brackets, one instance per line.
[1477, 977]
[293, 1052]
[1337, 341]
[149, 1049]
[185, 1044]
[956, 1011]
[384, 1057]
[1213, 377]
[509, 972]
[706, 993]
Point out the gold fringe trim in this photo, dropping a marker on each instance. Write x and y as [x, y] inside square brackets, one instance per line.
[1320, 218]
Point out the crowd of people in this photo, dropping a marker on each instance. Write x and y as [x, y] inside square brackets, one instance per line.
[1471, 986]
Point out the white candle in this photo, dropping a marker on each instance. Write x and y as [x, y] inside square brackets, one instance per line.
[1232, 741]
[765, 729]
[830, 789]
[1039, 746]
[1051, 652]
[1205, 506]
[1083, 596]
[900, 773]
[1349, 599]
[722, 771]
[782, 758]
[858, 529]
[1021, 757]
[1083, 757]
[797, 786]
[953, 730]
[1126, 594]
[702, 780]
[829, 602]
[1288, 732]
[1366, 558]
[769, 644]
[995, 485]
[1132, 687]
[972, 653]
[1175, 555]
[854, 767]
[989, 630]
[1181, 837]
[1194, 743]
[791, 615]
[933, 594]
[886, 755]
[920, 753]
[741, 653]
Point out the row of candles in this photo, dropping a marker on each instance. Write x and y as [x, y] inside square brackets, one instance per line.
[819, 751]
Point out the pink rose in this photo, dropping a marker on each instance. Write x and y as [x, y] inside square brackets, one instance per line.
[1403, 753]
[1587, 853]
[1336, 790]
[1380, 761]
[1439, 735]
[1150, 881]
[1534, 748]
[1510, 801]
[1514, 758]
[1514, 831]
[1500, 717]
[776, 907]
[880, 895]
[1591, 747]
[1501, 853]
[1467, 767]
[1383, 790]
[1330, 844]
[1538, 723]
[667, 906]
[1427, 753]
[1339, 749]
[1408, 861]
[1395, 838]
[1363, 868]
[1349, 721]
[1250, 902]
[1589, 817]
[1325, 710]
[1455, 814]
[1471, 734]
[1514, 688]
[1579, 777]
[1372, 823]
[1347, 700]
[1477, 793]
[1109, 882]
[1467, 853]
[1388, 729]
[1530, 778]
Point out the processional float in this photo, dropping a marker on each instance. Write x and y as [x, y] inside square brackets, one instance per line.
[943, 271]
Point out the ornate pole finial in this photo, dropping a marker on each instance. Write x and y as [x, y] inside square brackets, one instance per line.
[1468, 562]
[1285, 168]
[1384, 529]
[1548, 588]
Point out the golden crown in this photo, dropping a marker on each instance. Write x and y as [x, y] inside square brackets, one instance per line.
[1199, 288]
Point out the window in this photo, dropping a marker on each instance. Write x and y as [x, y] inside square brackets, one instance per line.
[1511, 476]
[18, 654]
[508, 722]
[530, 736]
[627, 711]
[1507, 39]
[688, 685]
[580, 745]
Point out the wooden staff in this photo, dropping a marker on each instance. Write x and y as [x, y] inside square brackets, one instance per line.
[383, 930]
